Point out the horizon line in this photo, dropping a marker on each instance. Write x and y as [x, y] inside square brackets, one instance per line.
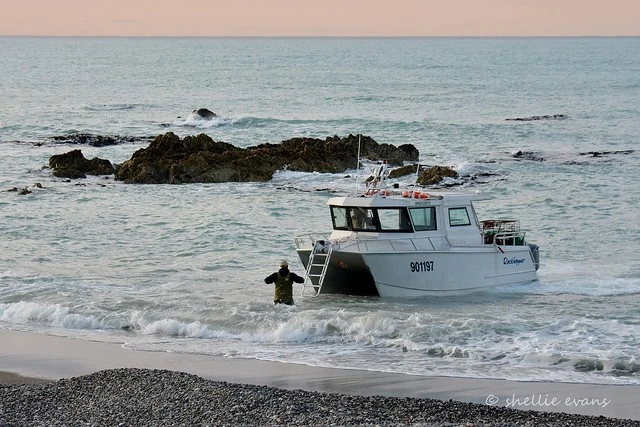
[321, 36]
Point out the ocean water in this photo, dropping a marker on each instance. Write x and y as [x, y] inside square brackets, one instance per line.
[181, 268]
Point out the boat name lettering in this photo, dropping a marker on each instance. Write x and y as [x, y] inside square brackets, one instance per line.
[513, 260]
[422, 203]
[421, 266]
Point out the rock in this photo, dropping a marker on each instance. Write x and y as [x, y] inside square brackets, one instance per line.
[94, 140]
[436, 174]
[24, 191]
[404, 170]
[205, 113]
[606, 153]
[528, 155]
[535, 118]
[74, 165]
[168, 159]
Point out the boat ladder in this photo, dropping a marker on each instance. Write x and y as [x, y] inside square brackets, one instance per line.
[317, 268]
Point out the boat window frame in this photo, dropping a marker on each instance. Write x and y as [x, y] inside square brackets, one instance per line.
[346, 227]
[371, 216]
[458, 209]
[362, 219]
[403, 212]
[434, 218]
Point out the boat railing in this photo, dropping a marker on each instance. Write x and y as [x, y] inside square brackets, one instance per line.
[505, 232]
[308, 240]
[514, 238]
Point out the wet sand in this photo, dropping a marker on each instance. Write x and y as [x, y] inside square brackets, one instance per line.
[27, 357]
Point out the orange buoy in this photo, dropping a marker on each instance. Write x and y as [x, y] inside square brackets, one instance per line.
[405, 193]
[424, 195]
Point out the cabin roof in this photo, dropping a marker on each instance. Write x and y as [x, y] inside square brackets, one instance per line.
[397, 200]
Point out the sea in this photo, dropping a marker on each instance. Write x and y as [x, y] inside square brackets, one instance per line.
[181, 268]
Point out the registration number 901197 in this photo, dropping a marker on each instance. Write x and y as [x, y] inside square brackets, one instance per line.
[421, 266]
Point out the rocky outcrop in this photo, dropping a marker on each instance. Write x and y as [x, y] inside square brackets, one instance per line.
[435, 174]
[428, 175]
[168, 159]
[404, 171]
[74, 165]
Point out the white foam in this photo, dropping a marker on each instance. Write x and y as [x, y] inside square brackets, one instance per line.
[196, 121]
[33, 313]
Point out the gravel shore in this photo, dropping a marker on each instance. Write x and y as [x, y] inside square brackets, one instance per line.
[143, 397]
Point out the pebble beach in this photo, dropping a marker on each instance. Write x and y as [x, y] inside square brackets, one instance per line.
[55, 381]
[152, 397]
[144, 397]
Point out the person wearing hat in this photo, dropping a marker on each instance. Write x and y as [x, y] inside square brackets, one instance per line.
[283, 280]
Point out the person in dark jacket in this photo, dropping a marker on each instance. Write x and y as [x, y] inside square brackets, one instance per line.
[283, 280]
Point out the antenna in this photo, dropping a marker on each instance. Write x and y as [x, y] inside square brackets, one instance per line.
[358, 165]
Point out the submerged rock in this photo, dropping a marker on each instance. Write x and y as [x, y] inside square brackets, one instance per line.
[527, 155]
[168, 159]
[535, 118]
[606, 153]
[74, 165]
[94, 140]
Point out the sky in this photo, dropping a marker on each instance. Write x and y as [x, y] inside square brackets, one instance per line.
[320, 17]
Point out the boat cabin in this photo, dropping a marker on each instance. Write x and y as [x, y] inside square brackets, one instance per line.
[400, 216]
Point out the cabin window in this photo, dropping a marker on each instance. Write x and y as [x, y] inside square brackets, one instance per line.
[394, 220]
[458, 217]
[339, 218]
[365, 219]
[424, 219]
[362, 219]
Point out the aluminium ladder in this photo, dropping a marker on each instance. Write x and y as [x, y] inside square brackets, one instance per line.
[317, 268]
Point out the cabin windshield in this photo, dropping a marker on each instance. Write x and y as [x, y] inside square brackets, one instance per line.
[355, 218]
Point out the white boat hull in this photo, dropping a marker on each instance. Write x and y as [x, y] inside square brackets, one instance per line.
[449, 273]
[424, 273]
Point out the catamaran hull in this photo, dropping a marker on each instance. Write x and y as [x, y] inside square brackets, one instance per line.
[424, 273]
[346, 274]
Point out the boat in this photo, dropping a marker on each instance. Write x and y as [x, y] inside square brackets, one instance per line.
[412, 243]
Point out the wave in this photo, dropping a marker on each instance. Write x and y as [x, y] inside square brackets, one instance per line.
[109, 107]
[36, 314]
[195, 120]
[327, 336]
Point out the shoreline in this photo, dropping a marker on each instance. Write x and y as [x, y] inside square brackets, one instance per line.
[27, 357]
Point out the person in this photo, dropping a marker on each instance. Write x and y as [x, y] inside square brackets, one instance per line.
[283, 280]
